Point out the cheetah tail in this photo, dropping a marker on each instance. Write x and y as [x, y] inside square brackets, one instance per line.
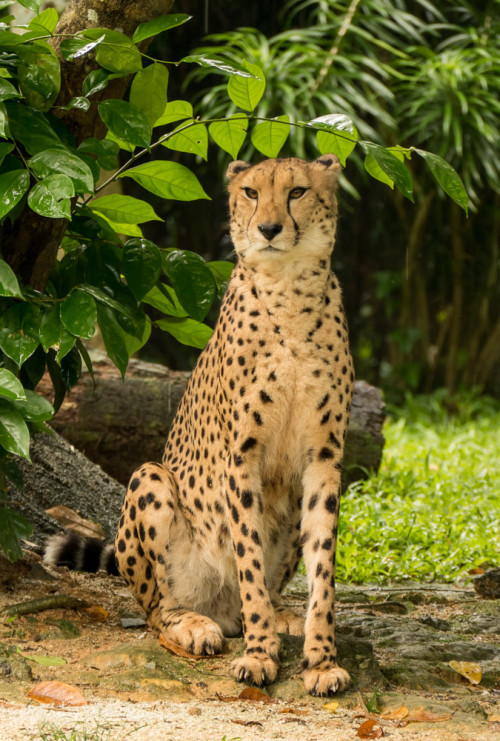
[80, 554]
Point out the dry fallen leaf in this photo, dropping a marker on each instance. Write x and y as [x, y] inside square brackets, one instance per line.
[493, 718]
[420, 715]
[397, 714]
[475, 571]
[246, 722]
[254, 694]
[331, 706]
[178, 650]
[57, 693]
[97, 613]
[295, 712]
[71, 520]
[467, 669]
[369, 729]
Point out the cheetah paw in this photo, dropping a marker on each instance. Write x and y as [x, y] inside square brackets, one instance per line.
[325, 681]
[196, 634]
[259, 670]
[288, 622]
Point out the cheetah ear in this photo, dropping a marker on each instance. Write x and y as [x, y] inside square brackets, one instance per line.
[329, 164]
[236, 167]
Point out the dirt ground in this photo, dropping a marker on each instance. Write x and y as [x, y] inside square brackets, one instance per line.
[396, 645]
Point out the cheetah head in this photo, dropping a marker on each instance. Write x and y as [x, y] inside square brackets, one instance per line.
[283, 209]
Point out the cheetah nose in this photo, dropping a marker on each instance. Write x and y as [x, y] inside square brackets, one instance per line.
[270, 230]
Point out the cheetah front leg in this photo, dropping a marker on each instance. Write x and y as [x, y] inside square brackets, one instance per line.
[259, 663]
[321, 673]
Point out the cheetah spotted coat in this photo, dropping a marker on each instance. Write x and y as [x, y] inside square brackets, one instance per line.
[250, 478]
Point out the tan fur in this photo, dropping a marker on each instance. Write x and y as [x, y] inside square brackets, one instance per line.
[251, 472]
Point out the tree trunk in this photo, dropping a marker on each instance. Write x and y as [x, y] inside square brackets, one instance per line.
[30, 244]
[122, 424]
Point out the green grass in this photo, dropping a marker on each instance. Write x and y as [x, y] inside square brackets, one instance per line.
[432, 512]
[79, 732]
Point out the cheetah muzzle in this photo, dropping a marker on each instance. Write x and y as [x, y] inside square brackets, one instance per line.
[250, 477]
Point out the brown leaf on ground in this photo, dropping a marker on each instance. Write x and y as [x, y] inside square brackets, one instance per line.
[57, 693]
[247, 722]
[494, 718]
[397, 714]
[369, 729]
[295, 712]
[71, 520]
[420, 715]
[256, 695]
[468, 669]
[97, 613]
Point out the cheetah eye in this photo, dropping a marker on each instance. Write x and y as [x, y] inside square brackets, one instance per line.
[251, 193]
[297, 192]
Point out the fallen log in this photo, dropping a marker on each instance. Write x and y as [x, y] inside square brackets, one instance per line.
[121, 424]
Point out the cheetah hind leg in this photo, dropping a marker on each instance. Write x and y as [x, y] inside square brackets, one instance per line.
[149, 517]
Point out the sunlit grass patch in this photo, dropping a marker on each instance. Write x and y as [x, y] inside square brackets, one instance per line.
[432, 512]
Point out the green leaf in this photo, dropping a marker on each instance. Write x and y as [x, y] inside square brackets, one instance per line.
[331, 142]
[10, 386]
[8, 91]
[47, 20]
[65, 344]
[192, 280]
[31, 128]
[63, 162]
[50, 327]
[176, 110]
[14, 433]
[149, 91]
[124, 209]
[8, 281]
[229, 135]
[246, 92]
[79, 314]
[40, 82]
[51, 197]
[5, 132]
[13, 186]
[5, 149]
[42, 659]
[126, 121]
[192, 140]
[268, 137]
[71, 368]
[33, 5]
[221, 270]
[95, 81]
[76, 47]
[141, 265]
[104, 150]
[34, 408]
[157, 25]
[128, 230]
[103, 298]
[117, 53]
[113, 337]
[167, 180]
[391, 166]
[12, 527]
[164, 298]
[19, 332]
[187, 331]
[447, 177]
[373, 168]
[219, 65]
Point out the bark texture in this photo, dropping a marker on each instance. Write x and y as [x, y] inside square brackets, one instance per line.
[122, 424]
[62, 475]
[30, 244]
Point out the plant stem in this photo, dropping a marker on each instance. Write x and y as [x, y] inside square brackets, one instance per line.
[344, 27]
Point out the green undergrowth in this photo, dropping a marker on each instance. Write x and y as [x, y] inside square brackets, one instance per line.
[432, 511]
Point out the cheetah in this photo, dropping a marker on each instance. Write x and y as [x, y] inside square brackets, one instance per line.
[250, 477]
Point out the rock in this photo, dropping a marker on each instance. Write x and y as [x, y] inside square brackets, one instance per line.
[487, 585]
[436, 623]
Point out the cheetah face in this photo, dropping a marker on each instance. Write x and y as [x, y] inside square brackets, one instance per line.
[283, 209]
